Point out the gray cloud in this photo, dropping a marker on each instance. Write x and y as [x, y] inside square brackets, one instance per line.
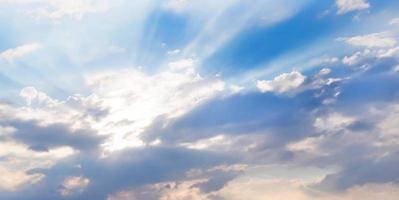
[123, 170]
[42, 138]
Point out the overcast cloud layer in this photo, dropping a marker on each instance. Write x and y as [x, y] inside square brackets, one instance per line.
[199, 100]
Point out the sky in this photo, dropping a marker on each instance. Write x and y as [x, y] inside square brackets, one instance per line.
[199, 100]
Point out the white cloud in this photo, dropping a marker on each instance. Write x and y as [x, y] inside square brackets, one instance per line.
[389, 126]
[309, 145]
[31, 95]
[132, 95]
[394, 21]
[122, 104]
[18, 52]
[182, 64]
[208, 143]
[14, 172]
[333, 122]
[393, 52]
[73, 185]
[361, 56]
[174, 52]
[345, 6]
[356, 57]
[46, 110]
[11, 179]
[374, 40]
[324, 71]
[256, 188]
[282, 83]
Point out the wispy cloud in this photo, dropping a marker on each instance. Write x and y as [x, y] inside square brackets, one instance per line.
[18, 52]
[345, 6]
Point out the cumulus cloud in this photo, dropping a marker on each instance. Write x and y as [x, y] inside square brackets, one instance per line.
[170, 93]
[73, 185]
[282, 83]
[345, 6]
[169, 132]
[334, 122]
[31, 95]
[12, 179]
[355, 58]
[278, 128]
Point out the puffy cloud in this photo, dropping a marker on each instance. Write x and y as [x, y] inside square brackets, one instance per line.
[345, 6]
[355, 58]
[334, 122]
[108, 111]
[278, 128]
[283, 83]
[73, 185]
[17, 160]
[11, 179]
[371, 57]
[170, 93]
[182, 135]
[46, 111]
[31, 95]
[18, 52]
[44, 125]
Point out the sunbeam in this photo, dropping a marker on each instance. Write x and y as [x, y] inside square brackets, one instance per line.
[199, 100]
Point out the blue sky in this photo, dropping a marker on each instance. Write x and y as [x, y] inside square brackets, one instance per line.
[199, 100]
